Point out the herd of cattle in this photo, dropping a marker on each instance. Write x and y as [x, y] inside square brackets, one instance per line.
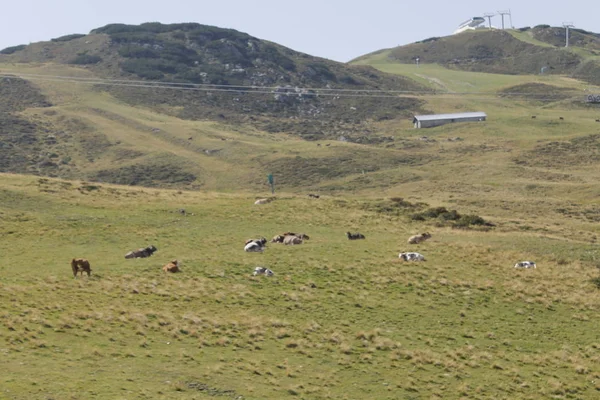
[81, 265]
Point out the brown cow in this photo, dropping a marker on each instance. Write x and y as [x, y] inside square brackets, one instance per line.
[416, 239]
[173, 266]
[80, 265]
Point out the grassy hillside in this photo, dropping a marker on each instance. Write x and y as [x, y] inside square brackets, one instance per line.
[229, 75]
[340, 319]
[509, 52]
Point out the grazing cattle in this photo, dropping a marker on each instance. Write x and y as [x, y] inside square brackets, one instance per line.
[416, 239]
[255, 245]
[561, 118]
[533, 116]
[525, 264]
[314, 196]
[411, 256]
[355, 236]
[173, 266]
[80, 265]
[141, 253]
[291, 240]
[263, 271]
[598, 120]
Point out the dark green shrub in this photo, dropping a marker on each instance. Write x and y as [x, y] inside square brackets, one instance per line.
[472, 219]
[452, 215]
[272, 54]
[85, 59]
[141, 68]
[348, 80]
[12, 49]
[66, 38]
[319, 71]
[133, 51]
[179, 53]
[192, 75]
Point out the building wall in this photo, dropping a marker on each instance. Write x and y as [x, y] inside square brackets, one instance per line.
[438, 122]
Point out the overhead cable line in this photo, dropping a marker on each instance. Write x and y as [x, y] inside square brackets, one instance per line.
[232, 88]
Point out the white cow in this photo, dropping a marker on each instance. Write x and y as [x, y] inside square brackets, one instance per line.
[262, 201]
[525, 264]
[412, 256]
[263, 271]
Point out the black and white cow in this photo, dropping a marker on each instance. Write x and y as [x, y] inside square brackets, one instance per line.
[525, 264]
[263, 271]
[141, 253]
[255, 245]
[411, 256]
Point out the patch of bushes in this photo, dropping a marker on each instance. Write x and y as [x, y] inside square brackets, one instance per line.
[151, 68]
[543, 26]
[85, 59]
[229, 52]
[319, 72]
[134, 51]
[67, 38]
[273, 55]
[452, 218]
[525, 28]
[13, 49]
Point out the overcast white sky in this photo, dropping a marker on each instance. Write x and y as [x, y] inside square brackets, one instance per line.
[336, 29]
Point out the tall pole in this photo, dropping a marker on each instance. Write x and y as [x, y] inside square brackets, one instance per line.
[567, 25]
[503, 13]
[489, 17]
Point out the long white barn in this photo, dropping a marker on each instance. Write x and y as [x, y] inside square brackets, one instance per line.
[429, 121]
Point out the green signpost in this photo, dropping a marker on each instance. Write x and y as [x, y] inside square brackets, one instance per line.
[272, 183]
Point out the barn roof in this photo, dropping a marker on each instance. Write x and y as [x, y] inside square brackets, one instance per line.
[433, 117]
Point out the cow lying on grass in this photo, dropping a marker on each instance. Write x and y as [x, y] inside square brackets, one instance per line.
[282, 238]
[255, 245]
[412, 256]
[173, 267]
[416, 239]
[291, 239]
[141, 253]
[80, 265]
[525, 264]
[355, 236]
[263, 271]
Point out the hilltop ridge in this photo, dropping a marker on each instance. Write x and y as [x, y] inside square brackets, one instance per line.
[516, 52]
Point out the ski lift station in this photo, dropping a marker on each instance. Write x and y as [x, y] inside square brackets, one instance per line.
[470, 24]
[429, 121]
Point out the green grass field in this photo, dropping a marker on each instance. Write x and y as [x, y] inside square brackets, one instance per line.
[340, 319]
